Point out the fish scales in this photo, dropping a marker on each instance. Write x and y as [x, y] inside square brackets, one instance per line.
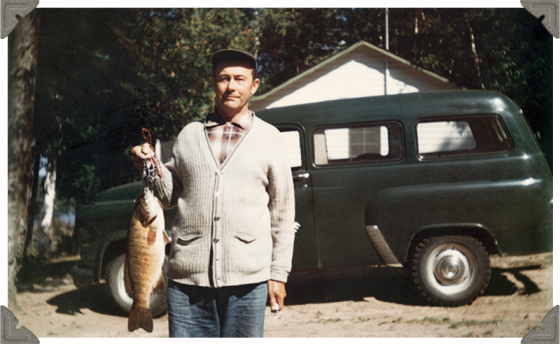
[146, 240]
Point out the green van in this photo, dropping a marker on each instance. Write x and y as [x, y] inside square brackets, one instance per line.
[435, 182]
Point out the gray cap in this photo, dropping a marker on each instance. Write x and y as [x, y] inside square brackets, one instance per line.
[227, 55]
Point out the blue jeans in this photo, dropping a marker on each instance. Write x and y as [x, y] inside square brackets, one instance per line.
[236, 311]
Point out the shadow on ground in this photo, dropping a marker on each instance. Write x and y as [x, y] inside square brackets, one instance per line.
[387, 284]
[41, 276]
[500, 285]
[95, 298]
[352, 284]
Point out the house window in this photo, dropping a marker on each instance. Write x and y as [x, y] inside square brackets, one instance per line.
[357, 144]
[462, 136]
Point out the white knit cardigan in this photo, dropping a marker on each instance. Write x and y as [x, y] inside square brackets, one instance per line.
[235, 222]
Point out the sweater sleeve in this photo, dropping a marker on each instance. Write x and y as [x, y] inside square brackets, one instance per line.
[282, 212]
[168, 189]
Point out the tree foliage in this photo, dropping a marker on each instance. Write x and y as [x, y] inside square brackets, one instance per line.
[171, 51]
[294, 40]
[85, 118]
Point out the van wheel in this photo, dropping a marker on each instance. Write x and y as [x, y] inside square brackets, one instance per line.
[114, 277]
[451, 271]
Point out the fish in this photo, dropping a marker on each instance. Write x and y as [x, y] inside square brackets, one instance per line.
[144, 258]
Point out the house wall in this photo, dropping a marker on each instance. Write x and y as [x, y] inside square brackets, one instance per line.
[358, 73]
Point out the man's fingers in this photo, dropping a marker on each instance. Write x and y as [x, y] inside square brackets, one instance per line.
[147, 151]
[272, 298]
[142, 152]
[139, 153]
[277, 294]
[280, 302]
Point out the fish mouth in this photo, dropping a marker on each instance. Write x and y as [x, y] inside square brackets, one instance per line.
[140, 197]
[147, 205]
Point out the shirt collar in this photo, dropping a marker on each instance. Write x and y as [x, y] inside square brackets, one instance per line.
[244, 122]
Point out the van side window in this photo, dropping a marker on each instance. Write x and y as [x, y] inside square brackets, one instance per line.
[462, 136]
[357, 144]
[293, 145]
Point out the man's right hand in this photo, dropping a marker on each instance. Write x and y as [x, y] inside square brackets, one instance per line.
[139, 153]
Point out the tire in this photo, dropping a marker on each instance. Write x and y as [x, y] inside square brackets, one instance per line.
[114, 277]
[451, 271]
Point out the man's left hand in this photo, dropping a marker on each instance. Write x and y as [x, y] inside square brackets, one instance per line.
[277, 294]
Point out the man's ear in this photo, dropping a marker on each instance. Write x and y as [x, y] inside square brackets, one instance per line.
[255, 86]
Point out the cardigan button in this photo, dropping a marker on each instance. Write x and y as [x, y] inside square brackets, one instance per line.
[217, 218]
[216, 241]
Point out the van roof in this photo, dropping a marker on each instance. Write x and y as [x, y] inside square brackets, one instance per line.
[409, 106]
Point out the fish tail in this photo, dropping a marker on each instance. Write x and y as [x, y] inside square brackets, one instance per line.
[140, 317]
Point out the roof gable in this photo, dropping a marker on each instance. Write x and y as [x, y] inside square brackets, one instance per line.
[359, 71]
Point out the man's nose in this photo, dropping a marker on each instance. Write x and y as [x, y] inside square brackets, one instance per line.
[231, 85]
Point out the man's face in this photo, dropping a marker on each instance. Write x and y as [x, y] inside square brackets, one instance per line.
[234, 85]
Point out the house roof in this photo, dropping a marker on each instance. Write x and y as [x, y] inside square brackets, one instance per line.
[363, 49]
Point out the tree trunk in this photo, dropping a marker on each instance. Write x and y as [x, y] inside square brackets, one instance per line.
[20, 128]
[32, 208]
[48, 211]
[475, 53]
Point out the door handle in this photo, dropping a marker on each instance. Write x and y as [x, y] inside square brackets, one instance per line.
[301, 176]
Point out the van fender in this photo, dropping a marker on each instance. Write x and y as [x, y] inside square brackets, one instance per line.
[395, 216]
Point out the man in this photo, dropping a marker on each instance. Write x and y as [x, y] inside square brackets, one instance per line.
[232, 238]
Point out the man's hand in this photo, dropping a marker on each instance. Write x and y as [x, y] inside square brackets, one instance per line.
[277, 294]
[138, 153]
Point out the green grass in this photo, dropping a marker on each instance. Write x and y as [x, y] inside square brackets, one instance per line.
[427, 320]
[474, 323]
[453, 325]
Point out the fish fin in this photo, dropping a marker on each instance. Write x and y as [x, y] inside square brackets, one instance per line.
[160, 285]
[149, 222]
[140, 317]
[127, 284]
[152, 236]
[166, 239]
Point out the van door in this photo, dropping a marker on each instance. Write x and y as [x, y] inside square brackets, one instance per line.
[352, 164]
[305, 246]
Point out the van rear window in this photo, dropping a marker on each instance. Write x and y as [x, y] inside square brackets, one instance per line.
[462, 136]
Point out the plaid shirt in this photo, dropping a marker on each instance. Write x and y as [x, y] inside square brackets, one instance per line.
[224, 136]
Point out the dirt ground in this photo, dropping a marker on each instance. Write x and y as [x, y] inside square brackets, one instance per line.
[357, 302]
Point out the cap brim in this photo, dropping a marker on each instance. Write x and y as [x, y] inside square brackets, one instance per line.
[228, 55]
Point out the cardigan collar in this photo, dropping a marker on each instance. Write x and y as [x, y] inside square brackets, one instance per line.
[244, 122]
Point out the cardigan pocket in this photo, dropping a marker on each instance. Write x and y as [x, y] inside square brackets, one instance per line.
[245, 238]
[188, 239]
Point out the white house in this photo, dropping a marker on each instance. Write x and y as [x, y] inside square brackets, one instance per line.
[360, 71]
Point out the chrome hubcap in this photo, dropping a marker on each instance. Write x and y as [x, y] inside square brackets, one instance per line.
[451, 267]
